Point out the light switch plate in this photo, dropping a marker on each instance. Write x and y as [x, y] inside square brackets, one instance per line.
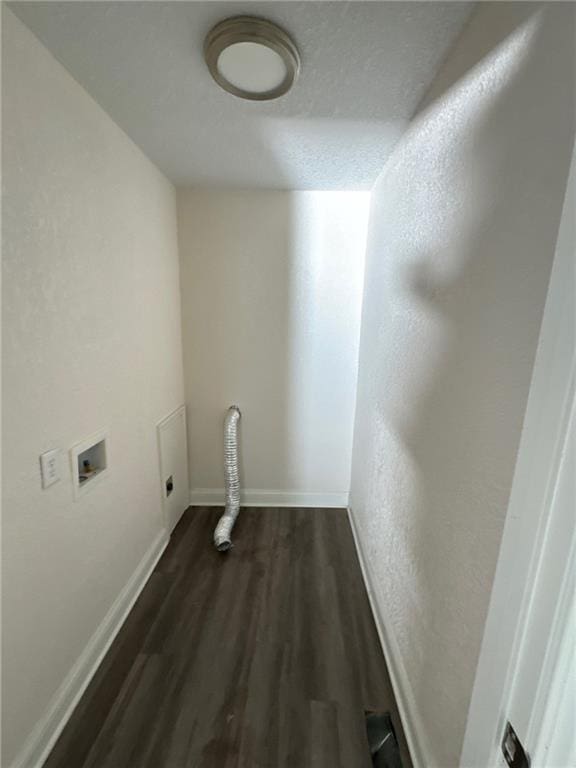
[50, 467]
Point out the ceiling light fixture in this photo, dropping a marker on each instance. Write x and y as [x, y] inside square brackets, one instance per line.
[252, 58]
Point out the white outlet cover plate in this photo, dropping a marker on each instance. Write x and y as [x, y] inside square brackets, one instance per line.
[50, 467]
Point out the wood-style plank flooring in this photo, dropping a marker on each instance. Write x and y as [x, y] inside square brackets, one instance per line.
[266, 656]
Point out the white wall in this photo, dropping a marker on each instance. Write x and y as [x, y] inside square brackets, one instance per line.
[524, 682]
[461, 240]
[271, 302]
[91, 340]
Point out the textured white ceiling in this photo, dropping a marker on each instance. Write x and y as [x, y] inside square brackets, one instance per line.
[365, 67]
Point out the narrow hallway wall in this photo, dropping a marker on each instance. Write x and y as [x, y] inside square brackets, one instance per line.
[462, 232]
[91, 341]
[271, 303]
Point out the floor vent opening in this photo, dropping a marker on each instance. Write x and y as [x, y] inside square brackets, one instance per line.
[384, 749]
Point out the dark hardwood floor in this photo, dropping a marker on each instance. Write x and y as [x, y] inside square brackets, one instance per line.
[266, 656]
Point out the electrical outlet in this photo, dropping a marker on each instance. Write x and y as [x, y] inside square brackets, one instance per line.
[50, 467]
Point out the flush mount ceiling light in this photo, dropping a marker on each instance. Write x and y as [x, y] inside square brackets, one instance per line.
[251, 58]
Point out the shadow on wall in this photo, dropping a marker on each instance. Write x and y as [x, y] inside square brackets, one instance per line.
[271, 303]
[463, 226]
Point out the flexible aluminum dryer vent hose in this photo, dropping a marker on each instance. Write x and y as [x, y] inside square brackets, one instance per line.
[223, 532]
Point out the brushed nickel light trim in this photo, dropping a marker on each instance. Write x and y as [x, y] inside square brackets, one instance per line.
[251, 29]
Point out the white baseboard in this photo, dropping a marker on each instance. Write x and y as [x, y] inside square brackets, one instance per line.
[46, 731]
[250, 497]
[411, 722]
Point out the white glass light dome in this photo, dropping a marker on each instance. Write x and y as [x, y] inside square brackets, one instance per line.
[251, 58]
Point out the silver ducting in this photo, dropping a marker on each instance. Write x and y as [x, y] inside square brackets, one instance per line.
[223, 532]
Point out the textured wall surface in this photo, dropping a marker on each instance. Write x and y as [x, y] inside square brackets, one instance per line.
[461, 239]
[543, 493]
[91, 333]
[271, 301]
